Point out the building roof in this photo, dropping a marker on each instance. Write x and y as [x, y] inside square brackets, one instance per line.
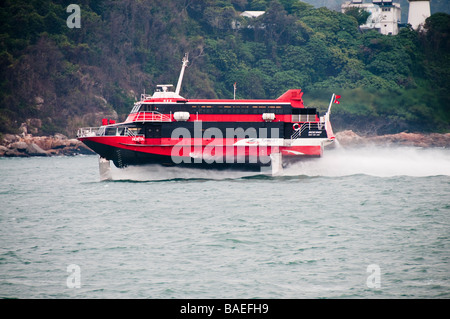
[252, 14]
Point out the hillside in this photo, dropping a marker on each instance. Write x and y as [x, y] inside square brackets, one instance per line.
[56, 79]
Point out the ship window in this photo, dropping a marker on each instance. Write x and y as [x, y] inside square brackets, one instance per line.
[135, 108]
[111, 131]
[146, 108]
[135, 130]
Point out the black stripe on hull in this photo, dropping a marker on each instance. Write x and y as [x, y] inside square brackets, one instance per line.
[123, 157]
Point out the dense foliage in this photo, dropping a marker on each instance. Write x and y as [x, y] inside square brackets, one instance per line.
[57, 78]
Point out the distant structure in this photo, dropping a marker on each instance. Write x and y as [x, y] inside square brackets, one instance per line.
[247, 14]
[419, 10]
[385, 15]
[252, 14]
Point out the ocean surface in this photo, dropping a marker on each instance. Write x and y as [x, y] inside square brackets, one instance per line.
[372, 222]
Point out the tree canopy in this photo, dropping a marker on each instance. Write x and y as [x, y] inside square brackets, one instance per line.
[69, 77]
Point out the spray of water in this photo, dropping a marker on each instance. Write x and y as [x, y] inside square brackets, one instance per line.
[382, 161]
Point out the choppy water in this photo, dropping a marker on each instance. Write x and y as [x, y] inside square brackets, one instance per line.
[367, 223]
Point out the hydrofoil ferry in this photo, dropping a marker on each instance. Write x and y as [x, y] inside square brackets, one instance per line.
[170, 130]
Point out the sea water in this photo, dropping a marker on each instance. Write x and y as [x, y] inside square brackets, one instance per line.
[371, 222]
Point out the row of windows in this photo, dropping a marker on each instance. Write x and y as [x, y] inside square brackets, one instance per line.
[237, 106]
[231, 109]
[220, 109]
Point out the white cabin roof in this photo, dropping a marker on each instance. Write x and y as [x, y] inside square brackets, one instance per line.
[162, 92]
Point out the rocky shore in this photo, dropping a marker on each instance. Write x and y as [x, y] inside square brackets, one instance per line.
[349, 138]
[58, 144]
[12, 145]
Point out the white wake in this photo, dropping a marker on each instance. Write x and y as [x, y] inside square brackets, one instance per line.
[376, 161]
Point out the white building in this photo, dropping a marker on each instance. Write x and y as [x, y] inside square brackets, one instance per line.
[252, 14]
[419, 10]
[385, 15]
[247, 14]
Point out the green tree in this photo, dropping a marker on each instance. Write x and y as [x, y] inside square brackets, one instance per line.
[359, 14]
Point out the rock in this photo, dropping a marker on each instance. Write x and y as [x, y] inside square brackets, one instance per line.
[74, 142]
[13, 152]
[20, 146]
[23, 129]
[34, 150]
[28, 145]
[43, 142]
[10, 138]
[60, 136]
[3, 150]
[350, 138]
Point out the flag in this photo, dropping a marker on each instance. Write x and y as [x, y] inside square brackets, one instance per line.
[336, 99]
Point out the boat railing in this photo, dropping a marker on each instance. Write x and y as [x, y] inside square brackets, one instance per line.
[152, 116]
[108, 131]
[131, 133]
[307, 125]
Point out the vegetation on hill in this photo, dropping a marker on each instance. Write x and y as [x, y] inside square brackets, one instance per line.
[56, 79]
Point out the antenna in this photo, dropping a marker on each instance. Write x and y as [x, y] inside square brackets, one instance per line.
[180, 79]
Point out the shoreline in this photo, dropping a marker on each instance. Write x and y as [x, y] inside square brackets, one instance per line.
[348, 138]
[12, 145]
